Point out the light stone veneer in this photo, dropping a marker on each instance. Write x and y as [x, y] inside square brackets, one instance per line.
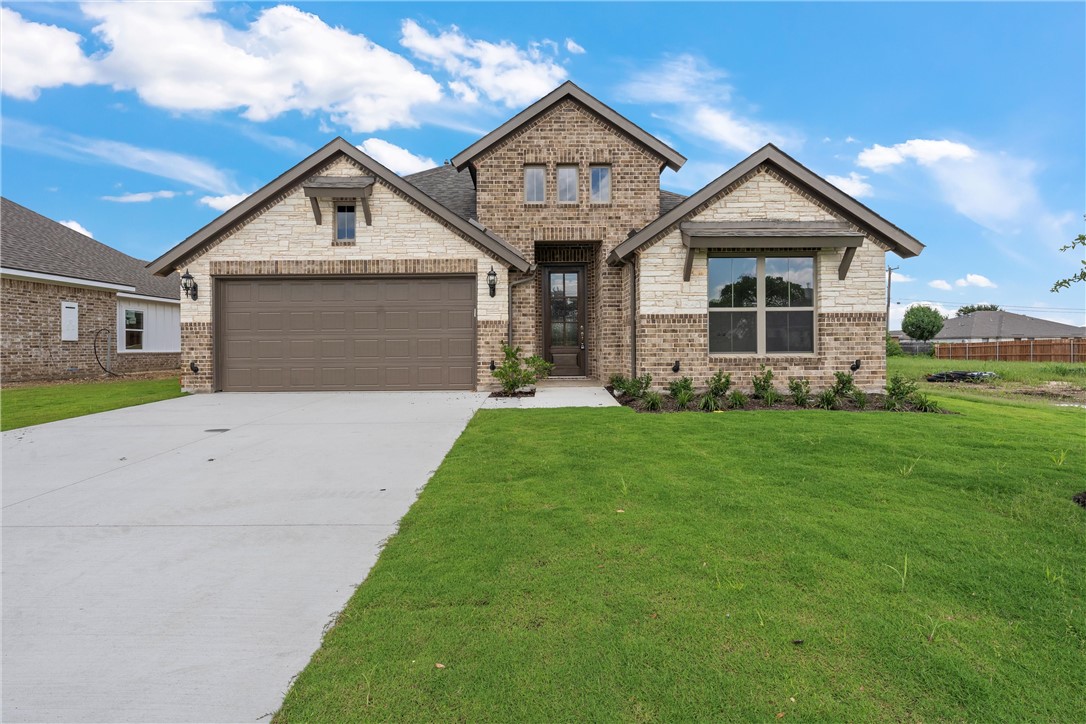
[288, 231]
[661, 289]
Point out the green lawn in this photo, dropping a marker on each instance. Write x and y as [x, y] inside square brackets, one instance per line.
[1011, 374]
[22, 406]
[601, 565]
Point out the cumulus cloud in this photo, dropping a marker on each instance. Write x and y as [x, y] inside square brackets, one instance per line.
[733, 131]
[140, 197]
[572, 46]
[854, 184]
[901, 278]
[940, 284]
[502, 72]
[224, 202]
[399, 159]
[35, 56]
[76, 226]
[924, 152]
[173, 56]
[975, 280]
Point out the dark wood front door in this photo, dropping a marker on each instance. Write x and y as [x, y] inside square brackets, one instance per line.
[564, 317]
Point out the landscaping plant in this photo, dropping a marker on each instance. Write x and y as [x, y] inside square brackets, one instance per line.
[708, 403]
[719, 383]
[737, 400]
[843, 384]
[826, 400]
[771, 397]
[859, 398]
[516, 372]
[763, 382]
[653, 401]
[800, 391]
[684, 399]
[677, 386]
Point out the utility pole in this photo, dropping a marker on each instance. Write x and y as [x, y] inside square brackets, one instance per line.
[889, 278]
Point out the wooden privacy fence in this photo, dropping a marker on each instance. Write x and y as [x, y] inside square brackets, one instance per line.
[1071, 349]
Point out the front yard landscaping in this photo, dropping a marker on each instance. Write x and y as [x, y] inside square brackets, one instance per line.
[602, 565]
[34, 405]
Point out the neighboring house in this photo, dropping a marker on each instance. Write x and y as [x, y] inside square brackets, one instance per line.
[552, 233]
[65, 297]
[1003, 326]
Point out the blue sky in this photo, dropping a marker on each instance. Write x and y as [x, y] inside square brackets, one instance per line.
[964, 124]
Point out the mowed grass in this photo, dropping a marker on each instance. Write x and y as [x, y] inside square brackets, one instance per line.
[1010, 373]
[22, 406]
[602, 565]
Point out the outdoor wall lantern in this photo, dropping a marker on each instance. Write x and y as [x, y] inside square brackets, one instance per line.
[188, 285]
[492, 280]
[675, 367]
[493, 366]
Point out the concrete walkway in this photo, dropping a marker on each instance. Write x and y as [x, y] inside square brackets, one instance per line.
[177, 562]
[559, 393]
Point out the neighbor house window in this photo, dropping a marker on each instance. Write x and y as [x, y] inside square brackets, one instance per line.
[601, 184]
[535, 184]
[567, 184]
[133, 329]
[761, 305]
[345, 222]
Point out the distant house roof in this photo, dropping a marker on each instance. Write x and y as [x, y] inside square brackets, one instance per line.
[670, 157]
[33, 243]
[455, 190]
[1005, 325]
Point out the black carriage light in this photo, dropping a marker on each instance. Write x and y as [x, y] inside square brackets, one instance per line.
[493, 366]
[492, 280]
[188, 285]
[855, 366]
[675, 367]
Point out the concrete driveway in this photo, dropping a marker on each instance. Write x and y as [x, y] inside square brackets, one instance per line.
[178, 561]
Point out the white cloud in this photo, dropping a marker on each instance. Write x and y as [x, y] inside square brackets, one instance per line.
[850, 139]
[140, 197]
[173, 55]
[502, 72]
[975, 280]
[940, 284]
[164, 164]
[897, 311]
[901, 278]
[734, 132]
[400, 160]
[572, 46]
[925, 152]
[853, 184]
[35, 56]
[222, 203]
[76, 226]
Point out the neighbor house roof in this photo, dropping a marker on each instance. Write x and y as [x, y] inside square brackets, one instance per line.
[456, 191]
[30, 242]
[302, 171]
[1004, 325]
[769, 155]
[568, 90]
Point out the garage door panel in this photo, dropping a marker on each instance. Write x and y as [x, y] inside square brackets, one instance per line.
[347, 334]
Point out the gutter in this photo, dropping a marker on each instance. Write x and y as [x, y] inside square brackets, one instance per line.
[509, 322]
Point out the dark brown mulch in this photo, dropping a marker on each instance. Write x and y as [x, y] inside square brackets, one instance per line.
[500, 393]
[1080, 498]
[875, 403]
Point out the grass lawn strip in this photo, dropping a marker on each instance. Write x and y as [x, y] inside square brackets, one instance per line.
[22, 406]
[738, 535]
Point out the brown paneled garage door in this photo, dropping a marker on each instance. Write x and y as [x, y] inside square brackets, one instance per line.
[346, 334]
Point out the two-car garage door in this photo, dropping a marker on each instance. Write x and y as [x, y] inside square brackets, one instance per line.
[346, 334]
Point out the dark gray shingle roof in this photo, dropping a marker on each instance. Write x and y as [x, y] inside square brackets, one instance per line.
[992, 325]
[455, 190]
[31, 242]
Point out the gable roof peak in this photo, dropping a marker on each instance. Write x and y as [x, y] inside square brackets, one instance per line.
[570, 90]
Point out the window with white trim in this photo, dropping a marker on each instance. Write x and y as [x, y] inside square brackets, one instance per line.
[345, 221]
[567, 184]
[600, 192]
[133, 329]
[535, 185]
[761, 305]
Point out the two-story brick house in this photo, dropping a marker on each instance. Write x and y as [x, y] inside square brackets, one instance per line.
[551, 232]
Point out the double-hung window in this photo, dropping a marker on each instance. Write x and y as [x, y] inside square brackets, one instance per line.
[600, 192]
[535, 184]
[133, 329]
[567, 184]
[761, 305]
[345, 221]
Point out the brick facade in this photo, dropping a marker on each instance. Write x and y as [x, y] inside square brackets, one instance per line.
[30, 329]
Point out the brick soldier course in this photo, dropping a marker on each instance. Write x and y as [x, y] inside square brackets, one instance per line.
[642, 281]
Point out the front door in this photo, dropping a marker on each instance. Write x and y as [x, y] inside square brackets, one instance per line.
[564, 320]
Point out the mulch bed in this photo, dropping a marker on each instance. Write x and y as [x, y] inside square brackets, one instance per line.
[518, 393]
[875, 403]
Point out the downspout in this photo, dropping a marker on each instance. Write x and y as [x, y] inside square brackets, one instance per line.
[633, 317]
[509, 322]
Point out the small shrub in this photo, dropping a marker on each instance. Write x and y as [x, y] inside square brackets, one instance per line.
[708, 403]
[800, 391]
[737, 400]
[826, 400]
[677, 386]
[652, 401]
[893, 347]
[619, 382]
[899, 390]
[859, 398]
[637, 386]
[923, 403]
[763, 383]
[684, 399]
[771, 397]
[516, 372]
[719, 383]
[843, 384]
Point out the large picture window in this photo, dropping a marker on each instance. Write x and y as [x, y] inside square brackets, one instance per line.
[761, 305]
